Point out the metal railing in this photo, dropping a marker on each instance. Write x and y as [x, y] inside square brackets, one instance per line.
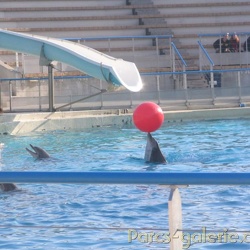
[113, 44]
[206, 62]
[31, 94]
[179, 65]
[137, 49]
[149, 178]
[203, 54]
[240, 57]
[174, 181]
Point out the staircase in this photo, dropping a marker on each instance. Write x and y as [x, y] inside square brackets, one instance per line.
[196, 81]
[192, 81]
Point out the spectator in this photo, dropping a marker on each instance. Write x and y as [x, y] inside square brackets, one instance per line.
[246, 45]
[234, 43]
[222, 44]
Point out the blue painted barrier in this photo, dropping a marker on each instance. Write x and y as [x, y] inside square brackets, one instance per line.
[179, 54]
[142, 74]
[222, 34]
[116, 38]
[171, 179]
[127, 178]
[206, 54]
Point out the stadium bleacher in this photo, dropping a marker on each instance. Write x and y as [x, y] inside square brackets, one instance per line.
[97, 18]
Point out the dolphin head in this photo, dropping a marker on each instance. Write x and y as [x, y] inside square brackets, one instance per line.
[153, 153]
[38, 153]
[8, 186]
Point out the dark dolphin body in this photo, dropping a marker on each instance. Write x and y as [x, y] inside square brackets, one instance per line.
[153, 153]
[38, 153]
[8, 187]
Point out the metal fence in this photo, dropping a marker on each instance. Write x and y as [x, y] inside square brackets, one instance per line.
[233, 57]
[230, 88]
[174, 181]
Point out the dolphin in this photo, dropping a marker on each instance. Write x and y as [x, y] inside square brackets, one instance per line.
[152, 152]
[8, 187]
[38, 153]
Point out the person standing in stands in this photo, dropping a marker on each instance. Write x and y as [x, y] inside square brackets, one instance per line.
[234, 43]
[222, 44]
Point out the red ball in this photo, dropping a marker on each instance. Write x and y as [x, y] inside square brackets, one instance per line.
[148, 117]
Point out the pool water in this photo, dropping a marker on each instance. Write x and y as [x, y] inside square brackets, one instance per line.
[67, 216]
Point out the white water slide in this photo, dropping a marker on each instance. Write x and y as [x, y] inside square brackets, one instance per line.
[83, 58]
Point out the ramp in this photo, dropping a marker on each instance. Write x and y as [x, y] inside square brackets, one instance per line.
[83, 58]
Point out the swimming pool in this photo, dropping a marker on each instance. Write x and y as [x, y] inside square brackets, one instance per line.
[56, 216]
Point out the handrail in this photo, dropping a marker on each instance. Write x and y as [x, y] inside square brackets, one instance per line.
[117, 37]
[222, 34]
[178, 53]
[43, 78]
[196, 71]
[122, 177]
[206, 54]
[170, 180]
[142, 73]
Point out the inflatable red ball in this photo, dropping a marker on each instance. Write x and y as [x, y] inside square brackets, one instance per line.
[148, 117]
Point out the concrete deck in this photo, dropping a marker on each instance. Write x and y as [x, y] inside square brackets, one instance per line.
[21, 123]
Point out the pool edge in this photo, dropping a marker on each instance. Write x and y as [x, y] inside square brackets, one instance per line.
[18, 123]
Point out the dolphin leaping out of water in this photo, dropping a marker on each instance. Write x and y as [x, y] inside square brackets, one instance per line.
[152, 151]
[38, 153]
[8, 187]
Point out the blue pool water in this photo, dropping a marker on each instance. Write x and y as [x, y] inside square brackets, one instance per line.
[59, 216]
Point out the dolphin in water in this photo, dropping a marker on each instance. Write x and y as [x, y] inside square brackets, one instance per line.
[8, 187]
[38, 153]
[152, 152]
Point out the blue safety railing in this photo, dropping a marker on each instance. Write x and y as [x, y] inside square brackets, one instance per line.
[110, 39]
[208, 76]
[182, 66]
[173, 180]
[118, 38]
[127, 178]
[206, 55]
[232, 57]
[178, 54]
[177, 97]
[222, 34]
[142, 74]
